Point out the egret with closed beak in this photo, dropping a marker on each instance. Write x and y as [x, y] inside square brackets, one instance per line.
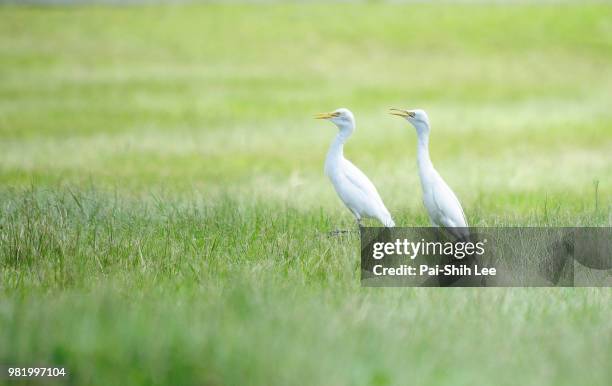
[353, 187]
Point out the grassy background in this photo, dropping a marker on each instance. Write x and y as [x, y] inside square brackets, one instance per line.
[164, 213]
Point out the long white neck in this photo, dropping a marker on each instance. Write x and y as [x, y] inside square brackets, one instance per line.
[424, 163]
[336, 150]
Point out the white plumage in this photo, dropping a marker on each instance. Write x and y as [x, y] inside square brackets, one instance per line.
[440, 201]
[353, 187]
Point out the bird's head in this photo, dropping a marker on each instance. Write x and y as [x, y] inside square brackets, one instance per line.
[418, 118]
[343, 118]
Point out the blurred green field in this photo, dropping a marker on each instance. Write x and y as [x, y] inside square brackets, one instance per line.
[164, 213]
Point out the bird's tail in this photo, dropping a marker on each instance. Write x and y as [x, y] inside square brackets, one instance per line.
[387, 221]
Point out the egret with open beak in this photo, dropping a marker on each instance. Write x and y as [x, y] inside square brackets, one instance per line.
[440, 201]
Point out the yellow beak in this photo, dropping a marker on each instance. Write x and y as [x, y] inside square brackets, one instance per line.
[401, 113]
[325, 115]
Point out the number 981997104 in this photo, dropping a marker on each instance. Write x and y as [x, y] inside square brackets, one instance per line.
[27, 372]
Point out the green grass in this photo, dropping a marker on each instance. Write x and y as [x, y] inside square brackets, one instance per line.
[164, 215]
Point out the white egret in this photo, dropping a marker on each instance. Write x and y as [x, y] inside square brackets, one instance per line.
[353, 187]
[441, 203]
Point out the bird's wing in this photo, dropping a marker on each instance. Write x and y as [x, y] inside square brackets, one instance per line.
[449, 208]
[363, 183]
